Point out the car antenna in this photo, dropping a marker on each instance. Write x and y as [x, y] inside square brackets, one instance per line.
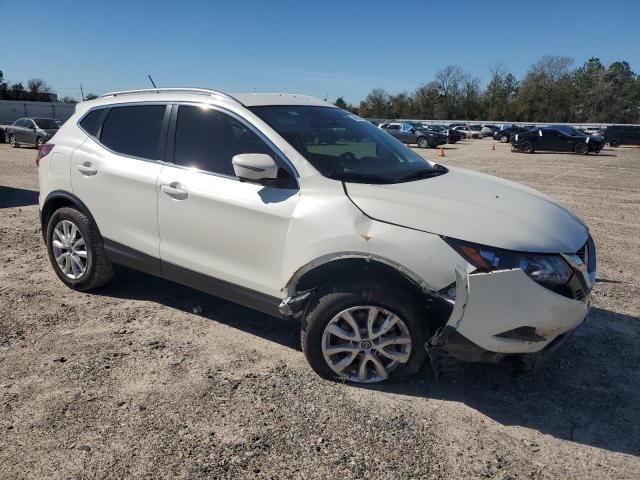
[151, 80]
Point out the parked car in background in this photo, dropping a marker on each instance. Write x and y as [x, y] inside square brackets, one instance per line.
[453, 136]
[477, 129]
[597, 131]
[409, 134]
[31, 131]
[616, 135]
[383, 257]
[560, 139]
[468, 132]
[504, 135]
[439, 137]
[489, 130]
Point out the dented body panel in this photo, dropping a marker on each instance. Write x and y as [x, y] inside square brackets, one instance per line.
[326, 226]
[489, 307]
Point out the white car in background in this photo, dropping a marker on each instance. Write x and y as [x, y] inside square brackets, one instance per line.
[471, 131]
[384, 257]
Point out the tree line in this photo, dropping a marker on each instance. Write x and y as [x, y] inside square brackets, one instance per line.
[551, 91]
[33, 90]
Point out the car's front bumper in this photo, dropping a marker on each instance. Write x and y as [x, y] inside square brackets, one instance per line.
[504, 314]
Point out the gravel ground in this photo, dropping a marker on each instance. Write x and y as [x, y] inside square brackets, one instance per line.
[128, 382]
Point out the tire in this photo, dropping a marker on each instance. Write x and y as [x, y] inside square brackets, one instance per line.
[39, 142]
[527, 147]
[581, 149]
[327, 306]
[97, 270]
[423, 142]
[504, 139]
[614, 142]
[12, 141]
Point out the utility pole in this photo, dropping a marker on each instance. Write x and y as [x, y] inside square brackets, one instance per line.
[82, 92]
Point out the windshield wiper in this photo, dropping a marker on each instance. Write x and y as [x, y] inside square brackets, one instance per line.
[360, 178]
[436, 171]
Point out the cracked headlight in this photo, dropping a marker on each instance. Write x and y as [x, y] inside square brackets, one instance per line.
[547, 269]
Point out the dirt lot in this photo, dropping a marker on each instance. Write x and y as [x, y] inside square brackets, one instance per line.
[129, 382]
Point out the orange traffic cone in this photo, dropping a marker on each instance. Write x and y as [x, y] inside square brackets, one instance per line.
[493, 147]
[441, 152]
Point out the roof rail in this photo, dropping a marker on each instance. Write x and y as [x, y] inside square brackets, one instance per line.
[200, 91]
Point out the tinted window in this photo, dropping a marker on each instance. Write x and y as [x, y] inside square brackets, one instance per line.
[208, 139]
[134, 130]
[393, 127]
[46, 123]
[19, 123]
[91, 122]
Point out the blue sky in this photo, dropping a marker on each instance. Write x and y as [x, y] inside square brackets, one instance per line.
[322, 48]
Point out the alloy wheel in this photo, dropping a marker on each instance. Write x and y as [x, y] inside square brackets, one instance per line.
[364, 344]
[69, 249]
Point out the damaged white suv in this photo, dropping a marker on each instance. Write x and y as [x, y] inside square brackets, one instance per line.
[291, 206]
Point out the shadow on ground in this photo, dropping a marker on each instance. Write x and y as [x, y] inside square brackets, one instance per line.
[17, 197]
[588, 393]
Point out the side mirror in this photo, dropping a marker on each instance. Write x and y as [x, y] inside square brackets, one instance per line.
[255, 168]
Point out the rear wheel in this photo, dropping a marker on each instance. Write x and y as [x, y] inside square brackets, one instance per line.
[76, 250]
[12, 141]
[614, 142]
[423, 142]
[581, 149]
[364, 334]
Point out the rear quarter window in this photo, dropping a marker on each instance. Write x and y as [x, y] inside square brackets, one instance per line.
[134, 130]
[91, 122]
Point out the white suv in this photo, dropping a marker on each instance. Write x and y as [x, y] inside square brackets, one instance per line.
[384, 256]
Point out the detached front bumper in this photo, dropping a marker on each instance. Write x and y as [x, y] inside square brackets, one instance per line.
[504, 314]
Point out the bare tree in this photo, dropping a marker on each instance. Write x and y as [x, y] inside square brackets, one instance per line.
[37, 86]
[448, 80]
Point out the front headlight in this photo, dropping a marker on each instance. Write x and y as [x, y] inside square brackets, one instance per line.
[546, 269]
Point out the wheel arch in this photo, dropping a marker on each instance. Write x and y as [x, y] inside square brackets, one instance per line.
[58, 199]
[349, 265]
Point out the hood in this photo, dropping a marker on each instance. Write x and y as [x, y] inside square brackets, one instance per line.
[475, 207]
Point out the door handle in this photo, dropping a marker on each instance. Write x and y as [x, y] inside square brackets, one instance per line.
[175, 190]
[86, 169]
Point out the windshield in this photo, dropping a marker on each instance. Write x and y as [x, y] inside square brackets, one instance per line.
[46, 123]
[345, 147]
[570, 130]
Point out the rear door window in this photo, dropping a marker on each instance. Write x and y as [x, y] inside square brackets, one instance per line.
[134, 130]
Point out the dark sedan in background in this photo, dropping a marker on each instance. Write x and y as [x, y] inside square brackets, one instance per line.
[31, 131]
[414, 133]
[453, 136]
[504, 135]
[559, 139]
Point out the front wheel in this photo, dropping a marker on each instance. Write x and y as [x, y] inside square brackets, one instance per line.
[423, 142]
[76, 250]
[364, 334]
[504, 139]
[12, 141]
[581, 149]
[527, 147]
[39, 142]
[614, 142]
